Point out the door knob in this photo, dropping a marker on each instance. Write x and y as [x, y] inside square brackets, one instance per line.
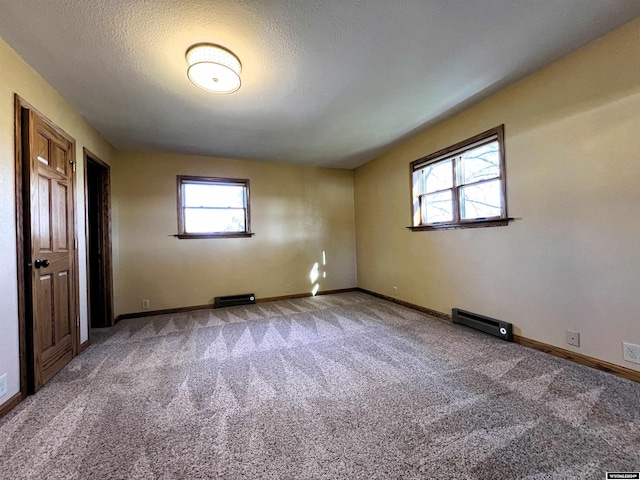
[41, 263]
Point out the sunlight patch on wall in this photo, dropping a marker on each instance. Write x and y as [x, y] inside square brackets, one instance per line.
[315, 273]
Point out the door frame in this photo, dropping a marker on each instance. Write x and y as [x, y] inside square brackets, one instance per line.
[23, 218]
[105, 212]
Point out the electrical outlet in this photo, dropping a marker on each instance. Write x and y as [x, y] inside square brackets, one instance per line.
[145, 303]
[395, 291]
[631, 352]
[287, 287]
[573, 338]
[3, 385]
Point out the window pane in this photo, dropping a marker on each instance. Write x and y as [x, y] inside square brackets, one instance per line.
[481, 163]
[481, 201]
[213, 221]
[437, 207]
[220, 196]
[438, 176]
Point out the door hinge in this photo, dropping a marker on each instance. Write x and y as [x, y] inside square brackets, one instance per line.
[75, 243]
[77, 321]
[73, 164]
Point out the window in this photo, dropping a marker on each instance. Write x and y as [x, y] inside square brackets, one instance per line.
[213, 207]
[461, 186]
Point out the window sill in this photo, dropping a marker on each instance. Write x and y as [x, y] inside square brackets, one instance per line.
[500, 222]
[184, 236]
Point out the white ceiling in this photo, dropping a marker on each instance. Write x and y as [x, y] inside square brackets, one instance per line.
[324, 82]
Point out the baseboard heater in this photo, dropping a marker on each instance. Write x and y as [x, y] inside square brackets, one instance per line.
[233, 300]
[494, 327]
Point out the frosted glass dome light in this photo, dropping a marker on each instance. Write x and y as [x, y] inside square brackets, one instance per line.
[213, 68]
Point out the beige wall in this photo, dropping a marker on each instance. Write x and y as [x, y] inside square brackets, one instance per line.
[296, 214]
[18, 77]
[572, 259]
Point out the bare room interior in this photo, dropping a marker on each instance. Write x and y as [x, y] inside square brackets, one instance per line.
[319, 240]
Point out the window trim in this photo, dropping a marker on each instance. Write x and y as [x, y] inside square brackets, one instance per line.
[496, 133]
[182, 179]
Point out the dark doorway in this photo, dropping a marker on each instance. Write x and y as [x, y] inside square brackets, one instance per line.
[98, 230]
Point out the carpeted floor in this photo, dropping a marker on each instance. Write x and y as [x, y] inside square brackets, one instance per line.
[333, 387]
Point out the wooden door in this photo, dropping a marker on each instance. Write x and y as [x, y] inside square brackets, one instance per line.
[53, 335]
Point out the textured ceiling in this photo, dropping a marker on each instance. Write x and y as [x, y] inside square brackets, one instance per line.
[324, 82]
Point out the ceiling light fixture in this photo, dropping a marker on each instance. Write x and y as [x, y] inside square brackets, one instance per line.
[213, 68]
